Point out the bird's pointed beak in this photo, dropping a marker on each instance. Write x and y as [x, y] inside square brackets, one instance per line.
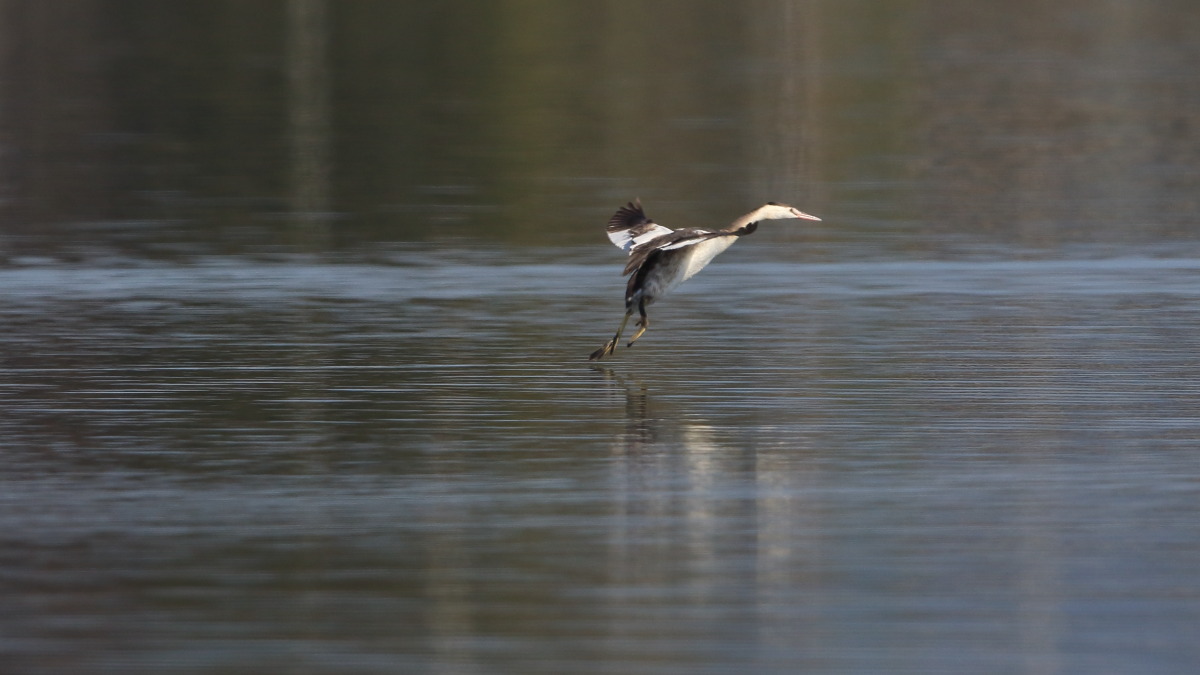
[796, 213]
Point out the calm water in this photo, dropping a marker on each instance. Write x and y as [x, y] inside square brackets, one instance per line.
[295, 330]
[844, 467]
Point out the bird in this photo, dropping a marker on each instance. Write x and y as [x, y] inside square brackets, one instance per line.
[661, 258]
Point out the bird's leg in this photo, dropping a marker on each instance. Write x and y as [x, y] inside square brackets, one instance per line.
[611, 346]
[643, 323]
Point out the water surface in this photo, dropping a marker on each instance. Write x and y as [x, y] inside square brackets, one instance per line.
[847, 467]
[296, 301]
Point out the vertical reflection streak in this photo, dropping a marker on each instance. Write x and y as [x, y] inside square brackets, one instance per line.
[309, 120]
[787, 110]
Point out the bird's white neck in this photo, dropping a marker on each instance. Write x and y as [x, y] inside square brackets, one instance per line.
[768, 212]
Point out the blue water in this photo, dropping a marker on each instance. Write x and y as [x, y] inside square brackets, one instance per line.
[854, 467]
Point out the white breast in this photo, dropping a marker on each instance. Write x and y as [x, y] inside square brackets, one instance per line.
[703, 253]
[683, 264]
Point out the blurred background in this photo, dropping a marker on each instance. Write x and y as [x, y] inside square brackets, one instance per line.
[205, 127]
[296, 297]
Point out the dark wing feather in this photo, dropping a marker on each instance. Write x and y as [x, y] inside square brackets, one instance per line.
[630, 227]
[674, 239]
[628, 216]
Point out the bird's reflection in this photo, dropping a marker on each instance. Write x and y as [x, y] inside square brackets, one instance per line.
[647, 429]
[640, 427]
[667, 501]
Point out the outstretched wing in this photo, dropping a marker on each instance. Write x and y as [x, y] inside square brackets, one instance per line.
[629, 227]
[673, 239]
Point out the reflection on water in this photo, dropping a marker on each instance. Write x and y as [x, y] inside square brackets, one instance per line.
[297, 297]
[1036, 123]
[233, 466]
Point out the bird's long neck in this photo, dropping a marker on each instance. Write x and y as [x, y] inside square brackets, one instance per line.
[746, 224]
[742, 222]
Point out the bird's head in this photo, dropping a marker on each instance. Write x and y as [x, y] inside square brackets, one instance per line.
[775, 211]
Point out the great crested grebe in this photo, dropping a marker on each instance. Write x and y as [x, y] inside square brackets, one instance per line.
[661, 258]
